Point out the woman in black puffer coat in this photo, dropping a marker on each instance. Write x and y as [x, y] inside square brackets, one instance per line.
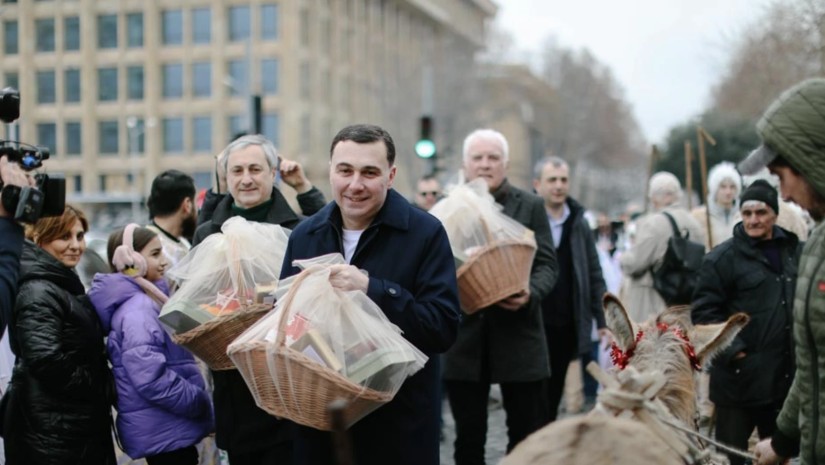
[58, 408]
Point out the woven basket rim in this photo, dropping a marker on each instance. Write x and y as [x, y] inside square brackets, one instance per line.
[490, 248]
[213, 324]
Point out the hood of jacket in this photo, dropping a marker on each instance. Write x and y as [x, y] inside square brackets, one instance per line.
[110, 291]
[36, 263]
[793, 127]
[717, 174]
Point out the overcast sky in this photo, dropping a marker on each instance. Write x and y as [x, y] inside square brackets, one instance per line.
[665, 53]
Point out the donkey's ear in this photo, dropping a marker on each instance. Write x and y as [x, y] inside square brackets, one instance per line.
[709, 340]
[619, 323]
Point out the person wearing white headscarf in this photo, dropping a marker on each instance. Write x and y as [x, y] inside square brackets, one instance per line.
[724, 187]
[650, 244]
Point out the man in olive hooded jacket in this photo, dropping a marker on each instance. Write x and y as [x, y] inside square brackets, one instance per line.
[793, 147]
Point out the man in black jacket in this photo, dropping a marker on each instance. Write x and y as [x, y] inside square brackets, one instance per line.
[248, 434]
[11, 242]
[576, 300]
[753, 272]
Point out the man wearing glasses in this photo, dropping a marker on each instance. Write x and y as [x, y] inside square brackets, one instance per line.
[428, 193]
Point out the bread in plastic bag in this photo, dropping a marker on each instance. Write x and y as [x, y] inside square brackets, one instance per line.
[322, 344]
[494, 253]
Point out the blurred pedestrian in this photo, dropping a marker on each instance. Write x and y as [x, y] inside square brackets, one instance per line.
[172, 213]
[58, 408]
[724, 187]
[428, 192]
[505, 343]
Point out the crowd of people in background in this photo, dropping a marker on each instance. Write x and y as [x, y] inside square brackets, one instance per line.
[93, 362]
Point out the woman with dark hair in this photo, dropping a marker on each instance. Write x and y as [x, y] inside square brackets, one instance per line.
[163, 407]
[58, 407]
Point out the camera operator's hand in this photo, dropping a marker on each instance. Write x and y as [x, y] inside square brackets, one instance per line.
[12, 174]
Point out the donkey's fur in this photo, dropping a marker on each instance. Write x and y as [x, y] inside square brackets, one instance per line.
[665, 350]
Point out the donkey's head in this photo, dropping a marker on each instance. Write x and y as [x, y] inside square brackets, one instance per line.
[671, 344]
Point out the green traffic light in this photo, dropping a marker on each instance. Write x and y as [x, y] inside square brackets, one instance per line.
[425, 148]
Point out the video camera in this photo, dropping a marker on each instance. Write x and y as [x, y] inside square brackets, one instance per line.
[28, 203]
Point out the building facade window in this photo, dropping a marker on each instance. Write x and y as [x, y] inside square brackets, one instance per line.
[45, 86]
[238, 23]
[134, 82]
[271, 128]
[78, 183]
[172, 27]
[270, 79]
[306, 80]
[11, 79]
[306, 133]
[108, 137]
[44, 34]
[269, 22]
[71, 85]
[237, 125]
[201, 26]
[304, 26]
[107, 84]
[202, 79]
[71, 33]
[47, 135]
[107, 31]
[172, 80]
[134, 30]
[202, 134]
[237, 77]
[74, 138]
[101, 182]
[10, 37]
[173, 135]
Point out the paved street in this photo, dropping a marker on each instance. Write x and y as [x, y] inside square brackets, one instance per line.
[496, 432]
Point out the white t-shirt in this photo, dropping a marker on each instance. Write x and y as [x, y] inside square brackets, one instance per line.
[351, 237]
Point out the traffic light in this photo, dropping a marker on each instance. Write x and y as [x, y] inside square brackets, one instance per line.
[425, 147]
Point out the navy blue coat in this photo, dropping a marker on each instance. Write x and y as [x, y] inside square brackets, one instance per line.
[11, 246]
[412, 279]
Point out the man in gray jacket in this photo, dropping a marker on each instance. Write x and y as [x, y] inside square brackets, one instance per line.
[505, 342]
[576, 300]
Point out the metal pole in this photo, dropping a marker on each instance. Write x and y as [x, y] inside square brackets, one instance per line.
[689, 174]
[132, 127]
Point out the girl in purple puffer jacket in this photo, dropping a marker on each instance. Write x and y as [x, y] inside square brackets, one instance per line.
[163, 407]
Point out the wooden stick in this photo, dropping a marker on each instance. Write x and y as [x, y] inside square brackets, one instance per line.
[341, 443]
[701, 136]
[689, 174]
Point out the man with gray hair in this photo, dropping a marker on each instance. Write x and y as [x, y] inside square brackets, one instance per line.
[248, 434]
[650, 244]
[576, 300]
[504, 343]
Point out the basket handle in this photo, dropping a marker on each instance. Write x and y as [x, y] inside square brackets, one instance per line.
[486, 230]
[290, 295]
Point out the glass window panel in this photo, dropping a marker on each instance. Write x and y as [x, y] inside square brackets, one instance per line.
[78, 183]
[237, 77]
[45, 87]
[47, 136]
[172, 24]
[269, 76]
[237, 125]
[173, 80]
[44, 34]
[74, 138]
[202, 78]
[271, 128]
[71, 33]
[201, 25]
[107, 84]
[71, 83]
[108, 137]
[10, 34]
[238, 23]
[134, 82]
[269, 22]
[173, 135]
[107, 31]
[12, 79]
[134, 30]
[202, 133]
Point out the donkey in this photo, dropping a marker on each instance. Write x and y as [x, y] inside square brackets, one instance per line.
[668, 344]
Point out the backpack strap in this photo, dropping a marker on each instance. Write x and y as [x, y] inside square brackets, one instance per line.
[673, 224]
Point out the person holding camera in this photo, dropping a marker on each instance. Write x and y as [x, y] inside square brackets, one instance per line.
[11, 241]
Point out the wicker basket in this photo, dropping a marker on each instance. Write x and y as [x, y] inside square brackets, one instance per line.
[500, 269]
[304, 395]
[209, 340]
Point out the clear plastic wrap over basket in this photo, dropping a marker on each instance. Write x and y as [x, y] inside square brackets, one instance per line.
[226, 273]
[322, 344]
[493, 253]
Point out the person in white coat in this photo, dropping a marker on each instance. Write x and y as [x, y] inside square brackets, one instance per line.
[724, 186]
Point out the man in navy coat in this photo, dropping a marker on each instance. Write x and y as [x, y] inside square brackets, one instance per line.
[410, 275]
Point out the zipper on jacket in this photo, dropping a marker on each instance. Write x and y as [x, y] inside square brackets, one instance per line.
[814, 366]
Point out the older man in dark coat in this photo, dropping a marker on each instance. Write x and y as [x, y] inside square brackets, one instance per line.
[504, 343]
[410, 275]
[250, 435]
